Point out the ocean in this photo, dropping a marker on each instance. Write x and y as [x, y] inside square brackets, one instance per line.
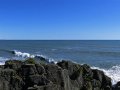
[99, 54]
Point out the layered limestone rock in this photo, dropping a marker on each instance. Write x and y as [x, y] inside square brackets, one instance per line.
[65, 75]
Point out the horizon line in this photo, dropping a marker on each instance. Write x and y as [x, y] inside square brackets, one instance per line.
[56, 39]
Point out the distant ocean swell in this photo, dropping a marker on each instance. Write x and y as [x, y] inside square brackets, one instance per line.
[103, 53]
[112, 72]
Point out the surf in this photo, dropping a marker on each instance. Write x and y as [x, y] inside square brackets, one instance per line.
[113, 73]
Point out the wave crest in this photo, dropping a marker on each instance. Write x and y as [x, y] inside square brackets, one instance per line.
[28, 55]
[2, 60]
[20, 54]
[113, 73]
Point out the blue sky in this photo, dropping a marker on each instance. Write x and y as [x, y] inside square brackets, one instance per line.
[59, 19]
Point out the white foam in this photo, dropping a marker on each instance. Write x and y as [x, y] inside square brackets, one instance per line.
[27, 55]
[2, 60]
[41, 56]
[23, 54]
[2, 63]
[53, 49]
[113, 73]
[52, 61]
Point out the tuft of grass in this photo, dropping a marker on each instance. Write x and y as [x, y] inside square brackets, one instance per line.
[30, 61]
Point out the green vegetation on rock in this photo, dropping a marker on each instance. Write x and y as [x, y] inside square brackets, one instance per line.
[30, 61]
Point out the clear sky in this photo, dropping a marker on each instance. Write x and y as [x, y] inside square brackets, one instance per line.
[59, 19]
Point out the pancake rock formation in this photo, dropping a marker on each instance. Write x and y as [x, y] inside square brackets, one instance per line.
[65, 75]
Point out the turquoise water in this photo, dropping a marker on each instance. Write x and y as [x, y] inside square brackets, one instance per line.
[104, 54]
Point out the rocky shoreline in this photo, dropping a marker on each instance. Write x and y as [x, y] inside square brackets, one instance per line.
[65, 75]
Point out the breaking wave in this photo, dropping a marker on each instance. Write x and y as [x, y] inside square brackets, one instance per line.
[22, 54]
[113, 73]
[2, 60]
[28, 55]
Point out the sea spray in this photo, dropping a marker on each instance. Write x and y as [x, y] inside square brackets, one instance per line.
[22, 54]
[113, 73]
[2, 60]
